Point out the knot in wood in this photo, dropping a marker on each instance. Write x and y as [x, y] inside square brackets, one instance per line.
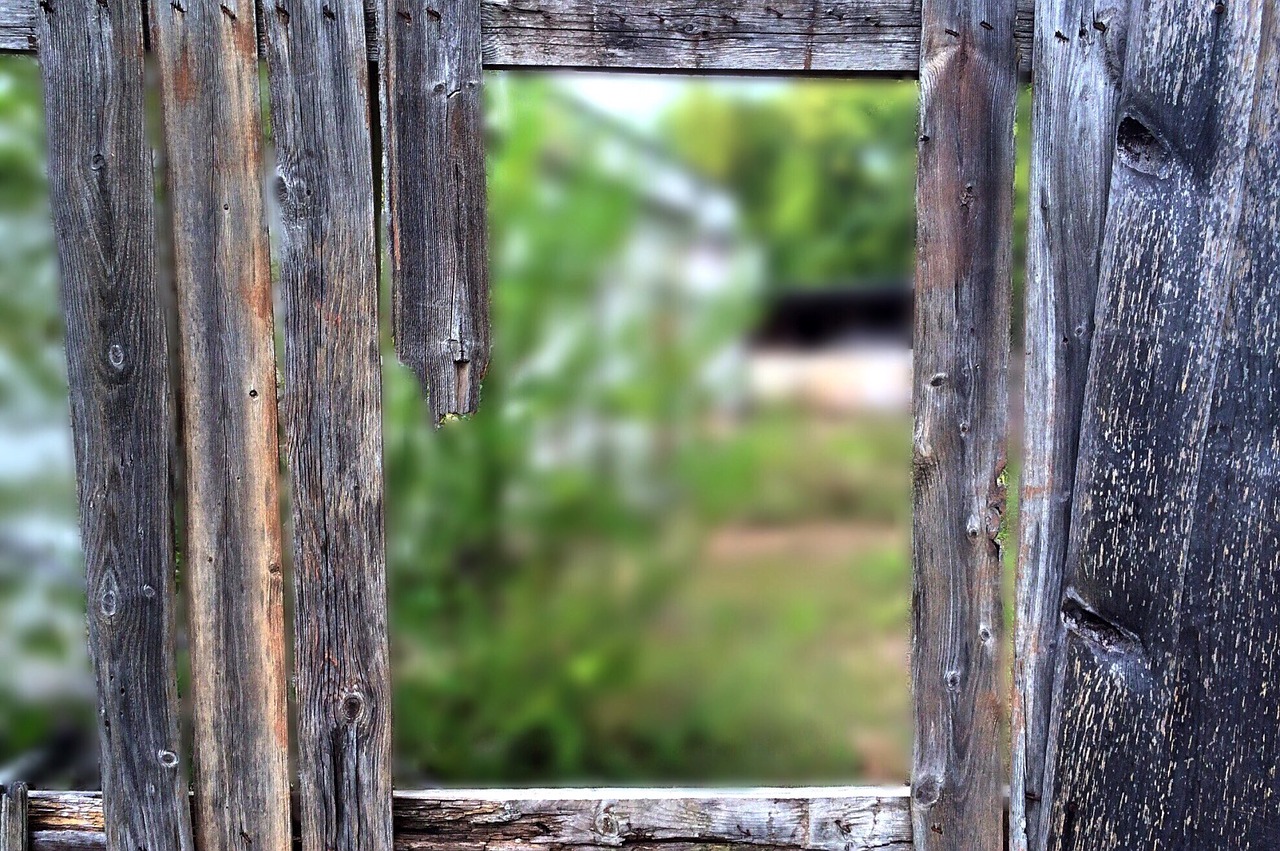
[927, 791]
[607, 826]
[352, 706]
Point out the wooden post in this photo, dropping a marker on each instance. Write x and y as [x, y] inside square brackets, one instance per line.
[207, 55]
[1164, 728]
[964, 202]
[13, 817]
[102, 194]
[433, 135]
[1079, 57]
[320, 101]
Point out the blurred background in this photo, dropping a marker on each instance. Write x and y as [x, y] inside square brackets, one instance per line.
[673, 546]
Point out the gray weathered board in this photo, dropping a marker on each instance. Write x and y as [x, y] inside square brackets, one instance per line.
[964, 203]
[13, 817]
[1079, 57]
[102, 195]
[773, 36]
[1164, 732]
[433, 142]
[822, 819]
[206, 52]
[332, 407]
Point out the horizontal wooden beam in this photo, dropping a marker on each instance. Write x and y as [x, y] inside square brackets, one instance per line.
[854, 818]
[835, 37]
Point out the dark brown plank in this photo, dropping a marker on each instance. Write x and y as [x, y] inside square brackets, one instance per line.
[819, 819]
[102, 195]
[433, 142]
[964, 203]
[207, 56]
[722, 36]
[1165, 714]
[333, 418]
[13, 817]
[1079, 58]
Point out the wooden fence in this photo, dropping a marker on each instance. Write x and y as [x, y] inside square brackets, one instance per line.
[1145, 712]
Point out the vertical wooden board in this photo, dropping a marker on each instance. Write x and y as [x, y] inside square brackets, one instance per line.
[13, 817]
[333, 417]
[1079, 58]
[433, 136]
[207, 55]
[1164, 728]
[102, 194]
[964, 201]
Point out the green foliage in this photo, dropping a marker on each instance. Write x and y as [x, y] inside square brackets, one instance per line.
[555, 613]
[41, 603]
[529, 543]
[824, 171]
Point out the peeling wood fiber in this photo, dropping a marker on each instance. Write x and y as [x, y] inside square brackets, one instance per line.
[437, 214]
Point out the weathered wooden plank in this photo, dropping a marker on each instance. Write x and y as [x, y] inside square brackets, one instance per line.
[13, 817]
[1079, 58]
[964, 204]
[720, 36]
[1165, 722]
[17, 26]
[820, 819]
[206, 53]
[433, 145]
[102, 195]
[333, 418]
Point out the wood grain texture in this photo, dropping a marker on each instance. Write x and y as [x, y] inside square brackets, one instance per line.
[13, 817]
[1079, 59]
[720, 36]
[101, 190]
[433, 144]
[333, 419]
[799, 36]
[207, 55]
[821, 819]
[964, 204]
[1165, 716]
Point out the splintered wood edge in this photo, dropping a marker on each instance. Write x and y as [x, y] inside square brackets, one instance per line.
[851, 818]
[716, 36]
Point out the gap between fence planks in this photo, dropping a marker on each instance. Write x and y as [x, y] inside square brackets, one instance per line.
[13, 817]
[1079, 58]
[102, 196]
[765, 36]
[964, 209]
[320, 107]
[206, 51]
[1164, 732]
[437, 237]
[799, 819]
